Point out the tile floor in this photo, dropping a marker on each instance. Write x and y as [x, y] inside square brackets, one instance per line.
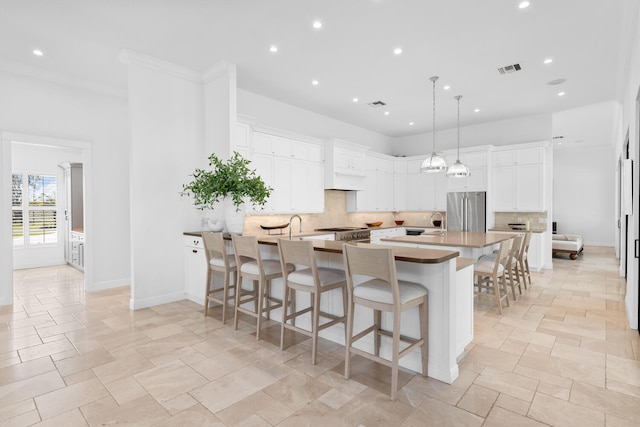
[561, 355]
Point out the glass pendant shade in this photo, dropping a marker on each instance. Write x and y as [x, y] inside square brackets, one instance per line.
[458, 169]
[434, 163]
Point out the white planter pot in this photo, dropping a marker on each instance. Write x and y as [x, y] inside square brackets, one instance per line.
[234, 216]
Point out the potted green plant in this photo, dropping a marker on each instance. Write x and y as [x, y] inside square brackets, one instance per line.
[231, 181]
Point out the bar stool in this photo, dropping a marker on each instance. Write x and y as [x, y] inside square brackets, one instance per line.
[491, 275]
[307, 277]
[218, 260]
[511, 265]
[523, 259]
[251, 266]
[378, 288]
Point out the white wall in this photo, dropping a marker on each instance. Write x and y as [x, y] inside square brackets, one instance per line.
[278, 115]
[35, 106]
[167, 133]
[583, 196]
[504, 132]
[45, 161]
[630, 124]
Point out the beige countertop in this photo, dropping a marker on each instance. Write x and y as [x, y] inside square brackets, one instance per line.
[401, 253]
[460, 239]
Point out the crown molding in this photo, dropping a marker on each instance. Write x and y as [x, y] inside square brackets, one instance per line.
[61, 79]
[128, 56]
[217, 70]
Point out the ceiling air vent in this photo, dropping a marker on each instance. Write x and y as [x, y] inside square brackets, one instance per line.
[510, 69]
[377, 104]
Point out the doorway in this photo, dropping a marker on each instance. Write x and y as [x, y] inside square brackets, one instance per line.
[15, 155]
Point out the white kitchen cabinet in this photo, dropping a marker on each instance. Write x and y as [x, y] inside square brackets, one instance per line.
[385, 233]
[242, 141]
[378, 193]
[294, 170]
[400, 185]
[518, 180]
[195, 268]
[345, 165]
[425, 191]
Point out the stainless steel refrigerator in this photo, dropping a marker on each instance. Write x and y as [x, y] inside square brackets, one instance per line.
[467, 211]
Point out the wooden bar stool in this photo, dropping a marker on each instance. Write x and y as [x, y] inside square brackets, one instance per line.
[524, 261]
[378, 288]
[218, 260]
[307, 277]
[250, 265]
[511, 265]
[491, 275]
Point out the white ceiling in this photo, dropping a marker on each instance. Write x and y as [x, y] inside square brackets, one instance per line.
[462, 41]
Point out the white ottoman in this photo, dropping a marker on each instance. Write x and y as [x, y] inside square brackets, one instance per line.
[567, 243]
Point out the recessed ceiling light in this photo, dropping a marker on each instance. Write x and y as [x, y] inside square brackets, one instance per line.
[317, 25]
[386, 113]
[355, 99]
[273, 49]
[447, 87]
[477, 110]
[548, 61]
[556, 82]
[561, 93]
[524, 4]
[397, 51]
[410, 123]
[38, 52]
[315, 82]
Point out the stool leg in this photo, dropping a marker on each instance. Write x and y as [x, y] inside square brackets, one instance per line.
[285, 306]
[260, 296]
[315, 300]
[345, 302]
[424, 331]
[238, 292]
[225, 295]
[206, 292]
[396, 354]
[348, 338]
[377, 320]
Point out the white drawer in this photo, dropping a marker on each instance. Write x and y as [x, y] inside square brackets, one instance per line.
[193, 241]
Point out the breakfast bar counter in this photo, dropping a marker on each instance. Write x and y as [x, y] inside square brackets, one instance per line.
[447, 277]
[469, 244]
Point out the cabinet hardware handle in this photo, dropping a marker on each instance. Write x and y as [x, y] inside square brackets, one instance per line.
[195, 251]
[635, 250]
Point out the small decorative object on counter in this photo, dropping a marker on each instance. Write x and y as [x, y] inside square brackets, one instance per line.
[399, 222]
[374, 224]
[274, 229]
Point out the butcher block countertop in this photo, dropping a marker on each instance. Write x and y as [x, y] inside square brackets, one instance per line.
[401, 253]
[460, 239]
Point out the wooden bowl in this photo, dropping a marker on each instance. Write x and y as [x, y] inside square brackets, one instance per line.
[374, 224]
[399, 222]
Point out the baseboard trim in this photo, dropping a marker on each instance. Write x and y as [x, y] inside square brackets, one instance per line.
[156, 300]
[109, 284]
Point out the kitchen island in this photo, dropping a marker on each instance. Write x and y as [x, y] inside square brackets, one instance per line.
[469, 244]
[448, 278]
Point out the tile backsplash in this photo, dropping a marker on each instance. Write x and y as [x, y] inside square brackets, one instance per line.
[539, 220]
[335, 214]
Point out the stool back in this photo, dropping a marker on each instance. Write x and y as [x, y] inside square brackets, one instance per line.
[376, 263]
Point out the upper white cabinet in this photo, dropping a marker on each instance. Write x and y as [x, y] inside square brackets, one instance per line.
[295, 171]
[400, 184]
[378, 193]
[518, 179]
[345, 165]
[425, 191]
[476, 161]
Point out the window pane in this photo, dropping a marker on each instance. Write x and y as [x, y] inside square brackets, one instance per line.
[16, 189]
[17, 226]
[42, 190]
[42, 226]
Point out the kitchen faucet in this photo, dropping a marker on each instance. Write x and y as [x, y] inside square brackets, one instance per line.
[441, 221]
[291, 221]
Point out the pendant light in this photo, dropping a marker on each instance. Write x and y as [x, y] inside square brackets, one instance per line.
[434, 163]
[458, 169]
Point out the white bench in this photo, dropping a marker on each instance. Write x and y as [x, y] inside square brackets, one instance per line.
[567, 243]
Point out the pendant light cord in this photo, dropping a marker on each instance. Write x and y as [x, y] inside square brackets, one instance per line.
[458, 99]
[434, 79]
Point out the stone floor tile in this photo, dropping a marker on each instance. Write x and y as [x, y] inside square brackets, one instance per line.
[499, 417]
[478, 400]
[68, 398]
[550, 410]
[168, 381]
